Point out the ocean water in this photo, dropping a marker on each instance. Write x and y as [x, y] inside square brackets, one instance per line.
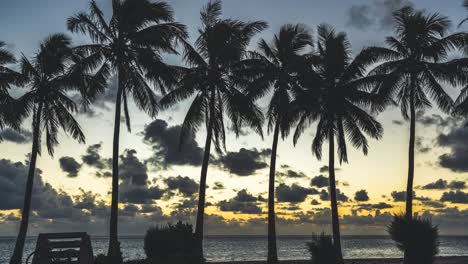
[238, 248]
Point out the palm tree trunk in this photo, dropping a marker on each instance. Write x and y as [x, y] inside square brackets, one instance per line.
[17, 256]
[409, 186]
[202, 191]
[114, 248]
[272, 250]
[334, 204]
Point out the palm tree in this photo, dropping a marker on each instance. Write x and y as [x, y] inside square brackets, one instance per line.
[416, 64]
[129, 44]
[276, 68]
[219, 48]
[49, 79]
[337, 95]
[10, 114]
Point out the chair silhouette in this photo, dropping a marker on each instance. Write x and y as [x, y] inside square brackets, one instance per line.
[63, 248]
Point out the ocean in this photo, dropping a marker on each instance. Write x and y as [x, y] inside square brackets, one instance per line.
[238, 248]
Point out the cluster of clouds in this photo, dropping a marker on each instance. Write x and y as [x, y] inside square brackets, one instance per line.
[374, 14]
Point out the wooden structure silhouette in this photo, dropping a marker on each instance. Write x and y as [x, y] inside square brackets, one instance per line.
[63, 248]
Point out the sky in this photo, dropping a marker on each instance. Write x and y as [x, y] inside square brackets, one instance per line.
[159, 184]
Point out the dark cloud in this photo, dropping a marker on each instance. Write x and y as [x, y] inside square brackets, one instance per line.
[292, 174]
[19, 137]
[457, 185]
[92, 157]
[437, 185]
[376, 14]
[370, 206]
[185, 185]
[361, 196]
[398, 196]
[85, 200]
[341, 197]
[243, 202]
[323, 169]
[359, 16]
[244, 162]
[164, 140]
[131, 169]
[294, 193]
[397, 122]
[218, 186]
[319, 181]
[455, 197]
[134, 187]
[70, 166]
[456, 141]
[314, 202]
[47, 203]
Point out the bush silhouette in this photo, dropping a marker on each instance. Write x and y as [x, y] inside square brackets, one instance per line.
[417, 237]
[169, 241]
[322, 250]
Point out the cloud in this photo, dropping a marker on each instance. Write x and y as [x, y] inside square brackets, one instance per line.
[377, 14]
[19, 137]
[397, 122]
[398, 196]
[243, 202]
[134, 187]
[437, 185]
[70, 166]
[244, 162]
[441, 184]
[218, 186]
[292, 174]
[47, 203]
[361, 196]
[164, 140]
[185, 185]
[456, 141]
[319, 181]
[341, 197]
[455, 197]
[370, 206]
[294, 193]
[92, 157]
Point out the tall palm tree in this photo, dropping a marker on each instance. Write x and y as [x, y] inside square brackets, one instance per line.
[416, 65]
[10, 114]
[338, 96]
[49, 78]
[276, 67]
[220, 47]
[129, 44]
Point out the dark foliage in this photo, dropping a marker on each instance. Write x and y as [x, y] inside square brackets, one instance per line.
[322, 250]
[170, 241]
[417, 237]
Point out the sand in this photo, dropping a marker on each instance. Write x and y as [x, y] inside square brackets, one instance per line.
[440, 260]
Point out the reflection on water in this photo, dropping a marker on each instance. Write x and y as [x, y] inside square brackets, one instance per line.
[223, 248]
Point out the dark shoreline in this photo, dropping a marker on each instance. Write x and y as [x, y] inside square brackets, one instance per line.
[439, 260]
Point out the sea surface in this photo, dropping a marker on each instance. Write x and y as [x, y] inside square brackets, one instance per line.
[238, 248]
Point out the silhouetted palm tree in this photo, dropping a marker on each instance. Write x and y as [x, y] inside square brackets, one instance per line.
[338, 96]
[416, 65]
[219, 48]
[129, 44]
[48, 78]
[275, 68]
[10, 114]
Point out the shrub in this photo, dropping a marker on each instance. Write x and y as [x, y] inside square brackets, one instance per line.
[322, 250]
[170, 242]
[417, 237]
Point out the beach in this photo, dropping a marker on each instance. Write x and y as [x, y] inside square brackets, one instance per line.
[439, 260]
